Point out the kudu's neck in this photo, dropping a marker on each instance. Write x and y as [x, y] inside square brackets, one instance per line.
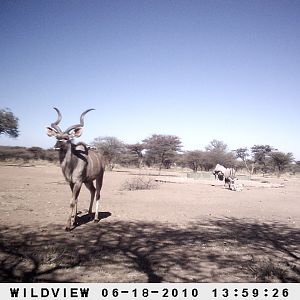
[67, 161]
[65, 153]
[73, 158]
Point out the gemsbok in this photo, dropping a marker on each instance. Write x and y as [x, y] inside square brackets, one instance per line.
[226, 174]
[80, 164]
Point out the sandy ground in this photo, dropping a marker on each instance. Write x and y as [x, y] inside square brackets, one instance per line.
[184, 230]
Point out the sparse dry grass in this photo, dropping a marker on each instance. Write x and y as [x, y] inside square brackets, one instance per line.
[269, 271]
[139, 183]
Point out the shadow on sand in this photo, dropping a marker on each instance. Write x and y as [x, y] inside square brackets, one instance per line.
[84, 219]
[217, 250]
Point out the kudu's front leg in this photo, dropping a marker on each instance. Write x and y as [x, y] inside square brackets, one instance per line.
[75, 187]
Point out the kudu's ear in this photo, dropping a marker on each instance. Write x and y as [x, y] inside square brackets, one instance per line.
[51, 131]
[77, 132]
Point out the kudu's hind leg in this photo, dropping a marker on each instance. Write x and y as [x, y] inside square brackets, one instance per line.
[73, 204]
[99, 182]
[91, 188]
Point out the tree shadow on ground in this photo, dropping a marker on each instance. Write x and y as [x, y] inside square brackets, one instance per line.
[86, 218]
[217, 250]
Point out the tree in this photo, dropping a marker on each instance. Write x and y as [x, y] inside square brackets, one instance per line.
[260, 156]
[194, 159]
[243, 153]
[111, 149]
[296, 166]
[217, 153]
[162, 149]
[281, 161]
[137, 150]
[9, 123]
[216, 145]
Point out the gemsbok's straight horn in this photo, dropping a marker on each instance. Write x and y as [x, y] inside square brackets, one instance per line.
[79, 164]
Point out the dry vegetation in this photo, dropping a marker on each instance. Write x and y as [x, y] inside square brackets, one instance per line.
[184, 230]
[139, 183]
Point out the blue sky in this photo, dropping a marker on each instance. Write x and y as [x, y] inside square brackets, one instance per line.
[201, 70]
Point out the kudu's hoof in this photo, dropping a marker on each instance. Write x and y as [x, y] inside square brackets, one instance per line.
[67, 228]
[96, 220]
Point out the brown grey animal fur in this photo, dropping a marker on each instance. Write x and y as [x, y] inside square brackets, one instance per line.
[79, 164]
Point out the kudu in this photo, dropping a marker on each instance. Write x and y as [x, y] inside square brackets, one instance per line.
[80, 164]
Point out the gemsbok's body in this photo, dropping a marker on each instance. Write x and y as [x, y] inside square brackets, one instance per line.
[79, 164]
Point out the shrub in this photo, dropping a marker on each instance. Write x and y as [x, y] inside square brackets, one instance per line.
[139, 183]
[268, 271]
[25, 154]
